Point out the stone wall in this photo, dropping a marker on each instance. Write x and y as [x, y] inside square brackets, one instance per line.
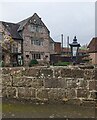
[60, 84]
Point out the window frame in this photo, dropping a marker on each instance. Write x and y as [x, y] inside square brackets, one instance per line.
[36, 55]
[1, 36]
[38, 42]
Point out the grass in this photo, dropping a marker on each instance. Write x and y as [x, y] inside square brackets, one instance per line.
[62, 64]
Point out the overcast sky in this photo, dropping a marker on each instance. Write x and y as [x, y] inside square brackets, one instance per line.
[68, 18]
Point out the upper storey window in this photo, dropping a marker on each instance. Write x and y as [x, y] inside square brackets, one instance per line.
[36, 28]
[37, 42]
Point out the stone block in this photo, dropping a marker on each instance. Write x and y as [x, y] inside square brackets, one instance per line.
[33, 72]
[88, 74]
[46, 73]
[30, 93]
[62, 93]
[71, 94]
[3, 92]
[53, 94]
[16, 71]
[55, 83]
[5, 70]
[81, 83]
[76, 73]
[11, 92]
[21, 92]
[6, 80]
[26, 92]
[57, 94]
[93, 85]
[93, 95]
[66, 72]
[82, 93]
[57, 72]
[71, 83]
[22, 81]
[42, 94]
[37, 83]
[40, 83]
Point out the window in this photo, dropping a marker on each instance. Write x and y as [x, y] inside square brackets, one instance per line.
[32, 28]
[36, 28]
[14, 48]
[37, 42]
[36, 56]
[19, 47]
[1, 36]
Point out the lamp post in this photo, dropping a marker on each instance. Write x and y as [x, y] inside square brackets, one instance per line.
[74, 50]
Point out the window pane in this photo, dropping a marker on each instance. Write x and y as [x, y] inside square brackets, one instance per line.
[36, 56]
[1, 36]
[36, 42]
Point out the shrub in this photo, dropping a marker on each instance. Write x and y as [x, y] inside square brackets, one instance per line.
[62, 64]
[33, 62]
[1, 63]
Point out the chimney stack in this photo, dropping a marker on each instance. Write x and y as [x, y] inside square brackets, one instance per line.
[62, 42]
[67, 41]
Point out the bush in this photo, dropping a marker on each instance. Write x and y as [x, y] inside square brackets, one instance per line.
[1, 63]
[62, 64]
[33, 62]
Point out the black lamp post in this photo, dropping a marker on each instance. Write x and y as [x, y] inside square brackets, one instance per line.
[74, 50]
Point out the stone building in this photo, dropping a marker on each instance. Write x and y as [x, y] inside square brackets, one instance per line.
[37, 43]
[93, 50]
[12, 54]
[57, 48]
[34, 38]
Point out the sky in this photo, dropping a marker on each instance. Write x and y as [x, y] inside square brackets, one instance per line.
[67, 18]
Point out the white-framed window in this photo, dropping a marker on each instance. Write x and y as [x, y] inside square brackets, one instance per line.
[36, 28]
[38, 42]
[32, 28]
[16, 48]
[36, 55]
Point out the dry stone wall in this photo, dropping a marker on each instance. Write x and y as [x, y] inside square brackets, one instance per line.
[60, 84]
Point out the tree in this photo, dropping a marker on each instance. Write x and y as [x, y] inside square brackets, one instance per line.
[6, 43]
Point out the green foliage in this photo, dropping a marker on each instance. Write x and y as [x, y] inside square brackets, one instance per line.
[33, 62]
[62, 64]
[1, 63]
[87, 60]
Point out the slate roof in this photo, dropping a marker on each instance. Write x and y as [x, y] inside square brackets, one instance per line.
[93, 45]
[51, 40]
[35, 16]
[69, 50]
[12, 29]
[23, 23]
